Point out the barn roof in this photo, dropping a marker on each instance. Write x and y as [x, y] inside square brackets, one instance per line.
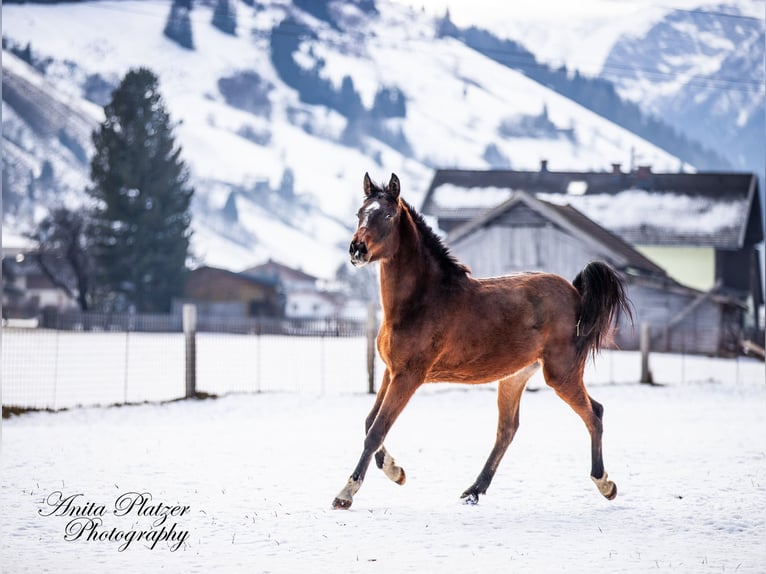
[274, 269]
[573, 222]
[206, 270]
[719, 210]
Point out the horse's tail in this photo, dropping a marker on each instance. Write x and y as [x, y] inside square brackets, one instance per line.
[602, 292]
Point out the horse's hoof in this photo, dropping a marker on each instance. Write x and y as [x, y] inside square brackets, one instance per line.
[606, 487]
[341, 504]
[470, 498]
[391, 469]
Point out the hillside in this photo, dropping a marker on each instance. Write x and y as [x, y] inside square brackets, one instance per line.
[280, 122]
[702, 72]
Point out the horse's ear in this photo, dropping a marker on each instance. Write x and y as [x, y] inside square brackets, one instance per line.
[393, 186]
[369, 187]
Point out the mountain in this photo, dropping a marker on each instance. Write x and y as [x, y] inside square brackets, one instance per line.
[596, 94]
[702, 72]
[280, 120]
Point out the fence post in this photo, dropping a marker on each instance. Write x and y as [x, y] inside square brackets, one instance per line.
[372, 332]
[646, 337]
[190, 337]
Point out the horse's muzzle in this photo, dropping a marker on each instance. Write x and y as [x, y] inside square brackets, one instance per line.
[358, 252]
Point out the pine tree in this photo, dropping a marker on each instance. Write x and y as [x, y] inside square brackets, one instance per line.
[230, 211]
[178, 27]
[140, 223]
[287, 185]
[225, 17]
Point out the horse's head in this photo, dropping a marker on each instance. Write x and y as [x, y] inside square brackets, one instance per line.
[376, 236]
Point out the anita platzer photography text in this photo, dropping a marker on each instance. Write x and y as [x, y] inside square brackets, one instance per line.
[132, 517]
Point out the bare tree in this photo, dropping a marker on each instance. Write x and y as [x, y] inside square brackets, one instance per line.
[62, 254]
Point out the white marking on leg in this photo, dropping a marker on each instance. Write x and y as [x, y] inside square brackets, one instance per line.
[605, 486]
[390, 468]
[527, 372]
[346, 495]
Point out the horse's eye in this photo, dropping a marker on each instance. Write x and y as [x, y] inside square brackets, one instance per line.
[389, 215]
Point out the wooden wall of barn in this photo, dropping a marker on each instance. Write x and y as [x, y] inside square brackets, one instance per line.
[527, 242]
[499, 250]
[711, 328]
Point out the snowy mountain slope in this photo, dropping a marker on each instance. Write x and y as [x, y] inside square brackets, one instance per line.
[46, 141]
[580, 34]
[697, 64]
[461, 110]
[704, 73]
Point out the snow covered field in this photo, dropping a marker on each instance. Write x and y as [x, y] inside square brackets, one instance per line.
[258, 473]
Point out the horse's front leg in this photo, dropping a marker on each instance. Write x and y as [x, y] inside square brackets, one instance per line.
[397, 394]
[383, 459]
[509, 393]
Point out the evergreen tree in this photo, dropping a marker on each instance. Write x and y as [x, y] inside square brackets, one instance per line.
[390, 102]
[230, 211]
[287, 185]
[225, 17]
[178, 27]
[350, 102]
[140, 223]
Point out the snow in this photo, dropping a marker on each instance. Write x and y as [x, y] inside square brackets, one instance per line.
[15, 242]
[456, 99]
[258, 472]
[453, 196]
[669, 211]
[579, 35]
[672, 212]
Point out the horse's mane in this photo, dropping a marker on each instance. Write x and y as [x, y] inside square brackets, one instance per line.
[447, 262]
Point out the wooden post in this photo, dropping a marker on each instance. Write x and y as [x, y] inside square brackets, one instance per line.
[372, 332]
[190, 337]
[646, 337]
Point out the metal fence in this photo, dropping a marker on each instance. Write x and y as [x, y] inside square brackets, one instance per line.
[74, 320]
[110, 359]
[77, 359]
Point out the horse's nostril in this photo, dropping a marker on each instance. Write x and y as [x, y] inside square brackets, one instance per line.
[357, 248]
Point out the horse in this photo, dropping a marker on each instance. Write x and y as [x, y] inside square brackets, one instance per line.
[442, 325]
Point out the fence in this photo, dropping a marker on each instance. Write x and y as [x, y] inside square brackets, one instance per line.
[93, 359]
[100, 365]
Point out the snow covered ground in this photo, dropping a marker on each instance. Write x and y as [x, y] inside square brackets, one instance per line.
[258, 473]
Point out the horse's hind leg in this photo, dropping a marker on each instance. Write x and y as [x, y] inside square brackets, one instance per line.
[571, 389]
[509, 394]
[383, 460]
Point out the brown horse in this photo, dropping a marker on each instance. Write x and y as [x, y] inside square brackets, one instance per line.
[440, 324]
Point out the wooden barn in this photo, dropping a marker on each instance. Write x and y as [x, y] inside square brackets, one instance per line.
[222, 293]
[527, 234]
[700, 229]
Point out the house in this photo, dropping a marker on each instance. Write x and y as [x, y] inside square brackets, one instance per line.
[271, 289]
[27, 290]
[702, 228]
[304, 297]
[527, 234]
[224, 294]
[290, 278]
[310, 304]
